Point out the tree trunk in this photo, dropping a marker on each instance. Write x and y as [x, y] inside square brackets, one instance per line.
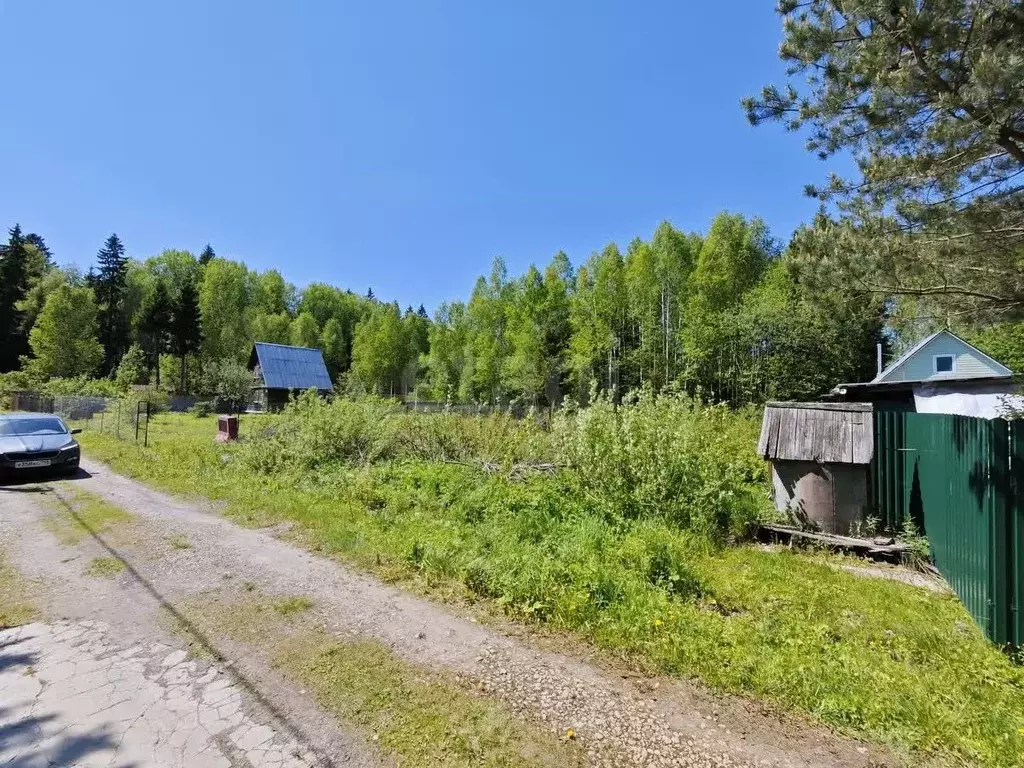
[183, 364]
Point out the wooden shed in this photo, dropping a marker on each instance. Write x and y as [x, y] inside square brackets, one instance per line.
[280, 372]
[820, 455]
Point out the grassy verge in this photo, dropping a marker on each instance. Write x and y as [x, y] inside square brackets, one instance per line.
[15, 607]
[418, 716]
[89, 514]
[882, 660]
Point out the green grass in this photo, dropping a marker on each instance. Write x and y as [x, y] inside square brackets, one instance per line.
[89, 514]
[410, 713]
[15, 607]
[290, 606]
[104, 567]
[882, 660]
[416, 715]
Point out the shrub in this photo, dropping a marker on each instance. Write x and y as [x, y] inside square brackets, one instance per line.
[669, 457]
[201, 409]
[133, 369]
[315, 434]
[81, 386]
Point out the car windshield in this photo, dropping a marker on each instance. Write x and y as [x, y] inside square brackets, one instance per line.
[44, 425]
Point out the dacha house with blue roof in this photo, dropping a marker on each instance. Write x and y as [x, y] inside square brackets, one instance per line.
[282, 371]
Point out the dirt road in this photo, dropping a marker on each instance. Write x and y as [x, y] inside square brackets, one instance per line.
[142, 699]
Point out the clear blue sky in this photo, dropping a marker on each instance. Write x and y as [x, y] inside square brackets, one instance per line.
[399, 145]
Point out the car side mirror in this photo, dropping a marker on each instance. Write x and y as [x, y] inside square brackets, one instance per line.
[76, 431]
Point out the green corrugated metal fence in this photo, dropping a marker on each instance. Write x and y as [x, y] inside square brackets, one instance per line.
[956, 478]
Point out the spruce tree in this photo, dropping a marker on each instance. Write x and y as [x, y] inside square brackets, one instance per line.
[186, 332]
[155, 326]
[109, 284]
[13, 285]
[422, 312]
[206, 256]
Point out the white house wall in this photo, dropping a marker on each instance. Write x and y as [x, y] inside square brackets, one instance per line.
[987, 401]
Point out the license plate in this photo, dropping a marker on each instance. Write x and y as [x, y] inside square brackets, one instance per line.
[31, 464]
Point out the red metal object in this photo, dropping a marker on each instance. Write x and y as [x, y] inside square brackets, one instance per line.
[227, 428]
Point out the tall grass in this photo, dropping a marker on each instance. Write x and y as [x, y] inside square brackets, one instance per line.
[632, 542]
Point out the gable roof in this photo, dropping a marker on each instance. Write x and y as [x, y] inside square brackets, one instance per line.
[285, 367]
[902, 359]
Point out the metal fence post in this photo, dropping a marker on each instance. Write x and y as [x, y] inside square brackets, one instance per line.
[117, 429]
[138, 413]
[145, 439]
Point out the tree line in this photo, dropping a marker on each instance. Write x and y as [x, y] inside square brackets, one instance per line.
[719, 314]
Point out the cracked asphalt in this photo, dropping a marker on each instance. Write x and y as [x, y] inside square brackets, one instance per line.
[73, 696]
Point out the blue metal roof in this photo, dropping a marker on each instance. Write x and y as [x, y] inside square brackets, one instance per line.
[291, 367]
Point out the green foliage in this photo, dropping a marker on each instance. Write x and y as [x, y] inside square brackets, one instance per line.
[109, 287]
[224, 297]
[662, 457]
[39, 289]
[186, 330]
[133, 368]
[304, 331]
[707, 315]
[332, 344]
[207, 255]
[380, 350]
[276, 329]
[227, 379]
[154, 324]
[13, 284]
[1004, 342]
[926, 96]
[82, 386]
[666, 457]
[314, 434]
[201, 409]
[14, 381]
[64, 339]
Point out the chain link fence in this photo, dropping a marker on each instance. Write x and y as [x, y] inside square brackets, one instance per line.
[123, 418]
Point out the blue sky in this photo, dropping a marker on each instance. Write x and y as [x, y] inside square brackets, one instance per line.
[399, 145]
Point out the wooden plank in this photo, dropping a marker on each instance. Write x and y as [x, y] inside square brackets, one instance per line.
[762, 441]
[847, 542]
[788, 435]
[864, 441]
[808, 433]
[775, 427]
[846, 442]
[853, 407]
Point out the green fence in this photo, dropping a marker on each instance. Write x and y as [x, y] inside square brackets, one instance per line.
[956, 477]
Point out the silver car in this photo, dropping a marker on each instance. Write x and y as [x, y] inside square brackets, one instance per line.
[37, 442]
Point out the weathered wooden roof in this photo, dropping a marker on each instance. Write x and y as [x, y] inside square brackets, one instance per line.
[828, 433]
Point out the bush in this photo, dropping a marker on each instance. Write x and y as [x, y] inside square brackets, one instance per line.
[81, 386]
[669, 457]
[201, 409]
[228, 380]
[315, 434]
[664, 457]
[14, 382]
[133, 369]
